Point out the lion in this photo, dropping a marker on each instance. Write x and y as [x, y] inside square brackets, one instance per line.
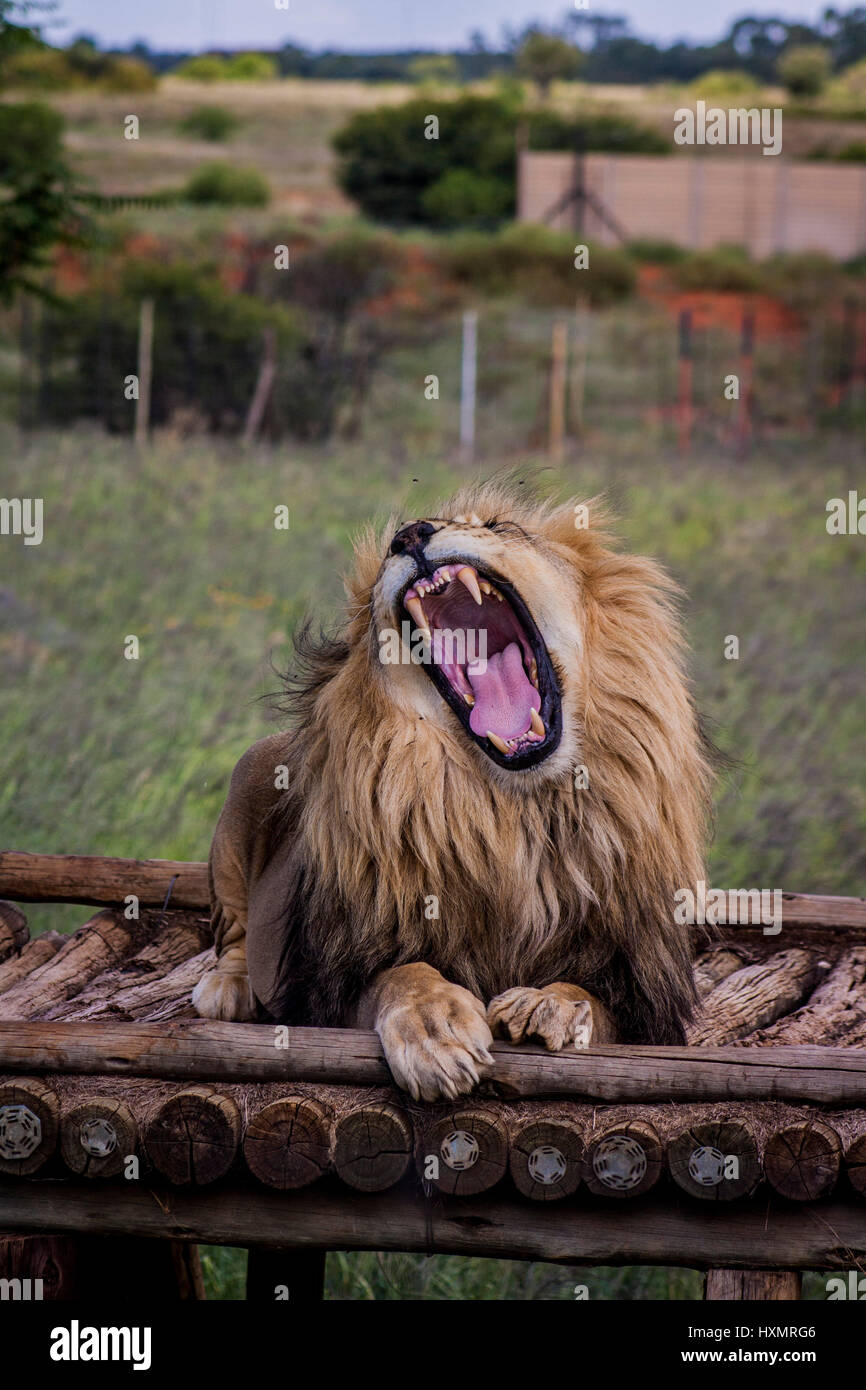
[481, 835]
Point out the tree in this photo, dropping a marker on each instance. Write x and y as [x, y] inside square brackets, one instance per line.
[547, 58]
[805, 70]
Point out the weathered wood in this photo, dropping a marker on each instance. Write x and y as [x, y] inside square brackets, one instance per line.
[97, 945]
[35, 954]
[753, 997]
[855, 1163]
[716, 1161]
[802, 1161]
[714, 966]
[44, 1267]
[759, 1285]
[546, 1158]
[145, 977]
[286, 1143]
[14, 931]
[205, 1050]
[829, 1235]
[29, 1124]
[833, 1011]
[97, 1135]
[372, 1146]
[623, 1160]
[156, 997]
[464, 1151]
[194, 1136]
[100, 881]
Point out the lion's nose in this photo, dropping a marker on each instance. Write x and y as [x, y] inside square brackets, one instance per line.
[412, 538]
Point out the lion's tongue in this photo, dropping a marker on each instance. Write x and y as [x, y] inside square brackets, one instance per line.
[504, 698]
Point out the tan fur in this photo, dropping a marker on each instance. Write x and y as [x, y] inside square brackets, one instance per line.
[539, 883]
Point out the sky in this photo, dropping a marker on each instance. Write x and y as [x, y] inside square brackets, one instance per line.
[381, 24]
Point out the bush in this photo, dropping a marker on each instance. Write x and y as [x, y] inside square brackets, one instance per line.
[389, 167]
[805, 70]
[652, 252]
[725, 268]
[44, 69]
[205, 67]
[724, 82]
[214, 123]
[546, 58]
[854, 153]
[251, 67]
[40, 203]
[229, 185]
[128, 75]
[536, 264]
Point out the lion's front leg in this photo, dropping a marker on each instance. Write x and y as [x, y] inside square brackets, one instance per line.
[434, 1034]
[560, 1015]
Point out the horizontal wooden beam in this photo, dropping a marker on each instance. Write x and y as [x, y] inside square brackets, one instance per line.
[829, 1236]
[94, 879]
[105, 882]
[208, 1051]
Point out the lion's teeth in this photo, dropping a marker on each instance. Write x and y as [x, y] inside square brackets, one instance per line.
[537, 723]
[498, 743]
[467, 576]
[470, 699]
[415, 607]
[533, 673]
[486, 588]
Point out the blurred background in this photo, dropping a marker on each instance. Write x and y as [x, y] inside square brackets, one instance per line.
[251, 263]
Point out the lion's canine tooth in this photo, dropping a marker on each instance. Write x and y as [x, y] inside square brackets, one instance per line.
[498, 742]
[467, 576]
[470, 699]
[416, 608]
[537, 723]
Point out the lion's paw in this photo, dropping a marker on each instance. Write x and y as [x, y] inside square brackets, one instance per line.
[524, 1013]
[438, 1045]
[219, 994]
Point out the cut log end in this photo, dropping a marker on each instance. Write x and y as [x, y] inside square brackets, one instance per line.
[372, 1147]
[624, 1160]
[464, 1152]
[855, 1164]
[97, 1136]
[286, 1143]
[716, 1161]
[546, 1159]
[802, 1161]
[194, 1137]
[29, 1122]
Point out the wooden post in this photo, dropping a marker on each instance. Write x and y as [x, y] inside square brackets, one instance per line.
[758, 1285]
[29, 1122]
[716, 1160]
[286, 1143]
[546, 1159]
[624, 1160]
[372, 1146]
[145, 372]
[747, 362]
[802, 1160]
[684, 404]
[468, 374]
[464, 1151]
[194, 1136]
[264, 385]
[577, 392]
[855, 1164]
[558, 351]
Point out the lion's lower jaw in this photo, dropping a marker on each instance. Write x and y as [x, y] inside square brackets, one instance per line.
[224, 996]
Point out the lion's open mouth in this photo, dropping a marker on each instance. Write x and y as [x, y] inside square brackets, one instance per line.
[488, 660]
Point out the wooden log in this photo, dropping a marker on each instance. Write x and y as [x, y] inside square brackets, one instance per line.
[158, 996]
[101, 942]
[194, 1136]
[624, 1160]
[97, 1136]
[171, 939]
[716, 1161]
[464, 1151]
[372, 1146]
[545, 1158]
[855, 1163]
[103, 882]
[802, 1160]
[44, 1267]
[835, 1009]
[34, 955]
[286, 1143]
[714, 966]
[759, 1285]
[14, 932]
[657, 1232]
[205, 1050]
[753, 997]
[29, 1122]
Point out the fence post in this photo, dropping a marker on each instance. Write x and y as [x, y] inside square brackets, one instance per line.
[468, 373]
[145, 371]
[264, 384]
[577, 385]
[747, 363]
[559, 347]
